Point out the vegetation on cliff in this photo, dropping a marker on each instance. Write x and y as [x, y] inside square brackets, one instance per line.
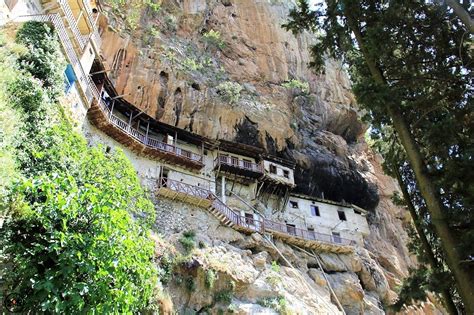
[75, 235]
[411, 68]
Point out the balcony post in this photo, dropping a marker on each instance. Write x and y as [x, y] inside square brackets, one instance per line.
[130, 121]
[175, 142]
[223, 190]
[146, 135]
[112, 109]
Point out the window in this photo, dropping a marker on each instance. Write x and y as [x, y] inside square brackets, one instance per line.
[249, 218]
[273, 169]
[315, 211]
[291, 229]
[311, 234]
[357, 211]
[294, 204]
[342, 215]
[286, 173]
[336, 237]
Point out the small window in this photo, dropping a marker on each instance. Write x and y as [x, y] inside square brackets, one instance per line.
[357, 211]
[311, 234]
[249, 218]
[336, 237]
[342, 215]
[294, 204]
[273, 169]
[286, 173]
[291, 229]
[315, 211]
[108, 149]
[90, 51]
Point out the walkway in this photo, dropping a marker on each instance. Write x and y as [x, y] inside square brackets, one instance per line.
[204, 198]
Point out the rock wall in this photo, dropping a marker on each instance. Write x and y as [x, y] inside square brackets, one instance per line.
[165, 66]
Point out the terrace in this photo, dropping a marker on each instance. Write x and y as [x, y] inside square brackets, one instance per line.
[240, 167]
[122, 131]
[206, 199]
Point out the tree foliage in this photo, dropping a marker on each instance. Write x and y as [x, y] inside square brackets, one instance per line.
[76, 239]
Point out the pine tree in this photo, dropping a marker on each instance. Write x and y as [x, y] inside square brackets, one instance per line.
[411, 68]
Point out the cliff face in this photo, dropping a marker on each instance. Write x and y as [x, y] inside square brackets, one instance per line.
[166, 67]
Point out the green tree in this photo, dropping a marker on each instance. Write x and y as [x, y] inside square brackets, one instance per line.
[76, 239]
[411, 67]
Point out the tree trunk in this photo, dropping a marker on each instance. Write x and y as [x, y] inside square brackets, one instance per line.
[434, 264]
[462, 14]
[464, 279]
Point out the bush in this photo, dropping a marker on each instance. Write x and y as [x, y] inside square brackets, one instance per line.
[224, 296]
[188, 241]
[210, 278]
[190, 284]
[275, 266]
[213, 39]
[229, 91]
[71, 244]
[297, 85]
[43, 59]
[276, 303]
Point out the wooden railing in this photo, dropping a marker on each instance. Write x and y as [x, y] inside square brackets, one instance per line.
[71, 21]
[95, 37]
[144, 139]
[239, 163]
[188, 189]
[251, 223]
[304, 234]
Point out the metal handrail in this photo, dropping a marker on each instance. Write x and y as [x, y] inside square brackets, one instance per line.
[71, 20]
[251, 223]
[95, 33]
[236, 162]
[305, 234]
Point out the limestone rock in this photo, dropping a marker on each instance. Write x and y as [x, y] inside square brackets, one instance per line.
[347, 287]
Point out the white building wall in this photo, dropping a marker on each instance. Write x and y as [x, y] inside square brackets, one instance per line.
[354, 228]
[148, 170]
[280, 172]
[87, 58]
[10, 11]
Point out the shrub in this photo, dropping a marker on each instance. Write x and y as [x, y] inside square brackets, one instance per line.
[276, 303]
[210, 278]
[213, 39]
[229, 91]
[297, 85]
[190, 284]
[43, 59]
[71, 244]
[275, 266]
[188, 241]
[224, 296]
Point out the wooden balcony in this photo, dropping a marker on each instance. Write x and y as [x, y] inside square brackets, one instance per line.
[101, 116]
[310, 239]
[206, 199]
[233, 165]
[176, 190]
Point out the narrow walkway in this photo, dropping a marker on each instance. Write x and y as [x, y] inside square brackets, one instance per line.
[206, 199]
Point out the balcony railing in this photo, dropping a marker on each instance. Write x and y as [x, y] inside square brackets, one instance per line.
[71, 21]
[95, 37]
[238, 163]
[194, 191]
[273, 226]
[251, 223]
[144, 139]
